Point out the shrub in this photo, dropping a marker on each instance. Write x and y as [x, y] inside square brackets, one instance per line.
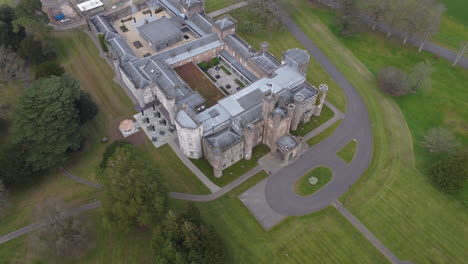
[241, 84]
[451, 173]
[440, 140]
[213, 62]
[204, 66]
[393, 81]
[87, 108]
[47, 69]
[124, 28]
[103, 42]
[110, 151]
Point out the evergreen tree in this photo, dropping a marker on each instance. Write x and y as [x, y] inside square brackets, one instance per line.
[87, 108]
[46, 121]
[47, 69]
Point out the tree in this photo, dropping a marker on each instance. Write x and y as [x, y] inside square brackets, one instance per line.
[3, 198]
[134, 191]
[421, 75]
[348, 17]
[13, 167]
[9, 37]
[429, 24]
[266, 14]
[46, 121]
[184, 238]
[63, 235]
[31, 9]
[461, 51]
[47, 69]
[32, 50]
[451, 173]
[377, 10]
[440, 140]
[12, 67]
[87, 108]
[110, 150]
[393, 81]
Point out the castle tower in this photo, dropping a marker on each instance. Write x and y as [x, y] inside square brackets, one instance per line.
[323, 94]
[190, 134]
[268, 105]
[217, 162]
[191, 7]
[225, 26]
[297, 59]
[249, 135]
[298, 111]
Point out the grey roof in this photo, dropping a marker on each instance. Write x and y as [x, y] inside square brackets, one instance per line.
[224, 138]
[238, 66]
[298, 55]
[200, 24]
[239, 45]
[225, 22]
[193, 100]
[166, 78]
[104, 27]
[286, 143]
[307, 90]
[266, 61]
[119, 47]
[185, 120]
[212, 123]
[280, 111]
[159, 31]
[135, 74]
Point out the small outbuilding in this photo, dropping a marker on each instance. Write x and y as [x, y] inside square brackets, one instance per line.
[127, 127]
[161, 33]
[90, 7]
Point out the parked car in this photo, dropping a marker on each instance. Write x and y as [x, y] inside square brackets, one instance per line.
[65, 21]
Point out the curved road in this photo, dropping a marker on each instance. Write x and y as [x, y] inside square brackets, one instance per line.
[279, 191]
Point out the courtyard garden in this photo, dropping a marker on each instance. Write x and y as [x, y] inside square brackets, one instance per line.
[313, 181]
[199, 82]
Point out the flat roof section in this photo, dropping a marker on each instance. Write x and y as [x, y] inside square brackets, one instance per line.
[89, 5]
[159, 31]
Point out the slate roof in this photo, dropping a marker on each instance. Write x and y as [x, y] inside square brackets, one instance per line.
[119, 47]
[104, 27]
[185, 120]
[239, 45]
[159, 31]
[190, 3]
[225, 22]
[200, 24]
[298, 55]
[224, 138]
[266, 61]
[237, 65]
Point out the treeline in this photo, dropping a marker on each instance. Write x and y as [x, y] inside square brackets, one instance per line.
[407, 18]
[44, 126]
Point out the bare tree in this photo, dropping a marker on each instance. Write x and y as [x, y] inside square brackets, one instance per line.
[377, 10]
[393, 81]
[440, 140]
[430, 22]
[461, 51]
[3, 199]
[267, 13]
[63, 235]
[421, 75]
[12, 67]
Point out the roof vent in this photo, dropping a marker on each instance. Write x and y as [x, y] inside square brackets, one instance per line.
[214, 113]
[152, 70]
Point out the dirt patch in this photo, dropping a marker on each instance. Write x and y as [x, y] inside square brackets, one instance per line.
[198, 81]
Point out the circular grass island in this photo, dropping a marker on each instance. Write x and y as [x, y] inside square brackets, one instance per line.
[305, 186]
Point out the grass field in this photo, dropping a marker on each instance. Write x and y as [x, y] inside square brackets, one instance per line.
[315, 121]
[326, 133]
[303, 186]
[195, 78]
[457, 9]
[347, 153]
[235, 171]
[393, 199]
[213, 5]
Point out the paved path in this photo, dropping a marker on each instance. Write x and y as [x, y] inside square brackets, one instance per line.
[37, 225]
[213, 187]
[80, 180]
[279, 189]
[337, 116]
[359, 226]
[220, 192]
[227, 9]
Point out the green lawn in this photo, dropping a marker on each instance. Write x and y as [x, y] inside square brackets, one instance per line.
[303, 186]
[235, 171]
[456, 9]
[315, 121]
[326, 133]
[451, 33]
[282, 40]
[347, 152]
[213, 5]
[393, 199]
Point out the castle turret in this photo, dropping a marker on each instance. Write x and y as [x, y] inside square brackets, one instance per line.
[298, 111]
[298, 59]
[249, 135]
[323, 94]
[190, 134]
[217, 162]
[268, 104]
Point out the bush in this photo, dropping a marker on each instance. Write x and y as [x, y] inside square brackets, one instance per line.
[124, 28]
[103, 42]
[393, 81]
[204, 66]
[87, 108]
[440, 140]
[213, 62]
[110, 150]
[241, 84]
[47, 69]
[451, 173]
